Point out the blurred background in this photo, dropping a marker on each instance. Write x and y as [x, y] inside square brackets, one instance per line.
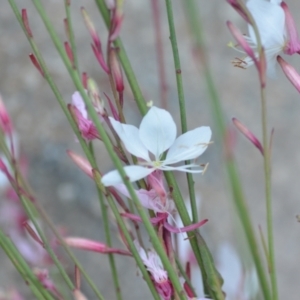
[70, 197]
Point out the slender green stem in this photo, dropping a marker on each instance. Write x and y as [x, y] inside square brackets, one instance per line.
[71, 34]
[181, 100]
[233, 177]
[267, 169]
[22, 267]
[105, 219]
[28, 208]
[109, 243]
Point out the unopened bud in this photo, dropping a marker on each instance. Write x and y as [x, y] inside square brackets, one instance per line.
[99, 56]
[94, 246]
[26, 23]
[116, 70]
[36, 63]
[84, 79]
[81, 162]
[112, 108]
[5, 121]
[94, 94]
[77, 294]
[91, 28]
[292, 75]
[69, 53]
[248, 134]
[67, 28]
[33, 233]
[116, 22]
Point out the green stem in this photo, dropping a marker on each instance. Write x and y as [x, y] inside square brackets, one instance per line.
[105, 219]
[109, 243]
[137, 93]
[22, 267]
[233, 177]
[181, 100]
[267, 169]
[27, 205]
[71, 34]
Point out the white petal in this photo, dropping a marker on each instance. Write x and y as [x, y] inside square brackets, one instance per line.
[129, 135]
[157, 131]
[78, 102]
[134, 173]
[270, 20]
[230, 268]
[189, 145]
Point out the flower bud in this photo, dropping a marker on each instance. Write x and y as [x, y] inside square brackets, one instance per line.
[94, 94]
[81, 162]
[36, 64]
[26, 23]
[248, 134]
[292, 75]
[116, 70]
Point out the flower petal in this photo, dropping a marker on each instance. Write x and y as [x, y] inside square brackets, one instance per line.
[78, 102]
[230, 268]
[129, 135]
[134, 173]
[189, 145]
[270, 20]
[157, 131]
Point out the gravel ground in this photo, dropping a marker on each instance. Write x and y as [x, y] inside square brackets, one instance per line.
[70, 197]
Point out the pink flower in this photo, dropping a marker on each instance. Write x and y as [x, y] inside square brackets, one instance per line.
[158, 274]
[86, 126]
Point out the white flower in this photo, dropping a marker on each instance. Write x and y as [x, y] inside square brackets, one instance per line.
[157, 133]
[276, 29]
[238, 283]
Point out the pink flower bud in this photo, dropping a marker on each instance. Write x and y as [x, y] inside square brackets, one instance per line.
[26, 23]
[33, 233]
[116, 70]
[94, 246]
[46, 281]
[94, 94]
[69, 53]
[240, 9]
[248, 134]
[82, 163]
[116, 23]
[67, 28]
[77, 294]
[91, 28]
[292, 75]
[36, 63]
[5, 121]
[293, 45]
[112, 108]
[84, 79]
